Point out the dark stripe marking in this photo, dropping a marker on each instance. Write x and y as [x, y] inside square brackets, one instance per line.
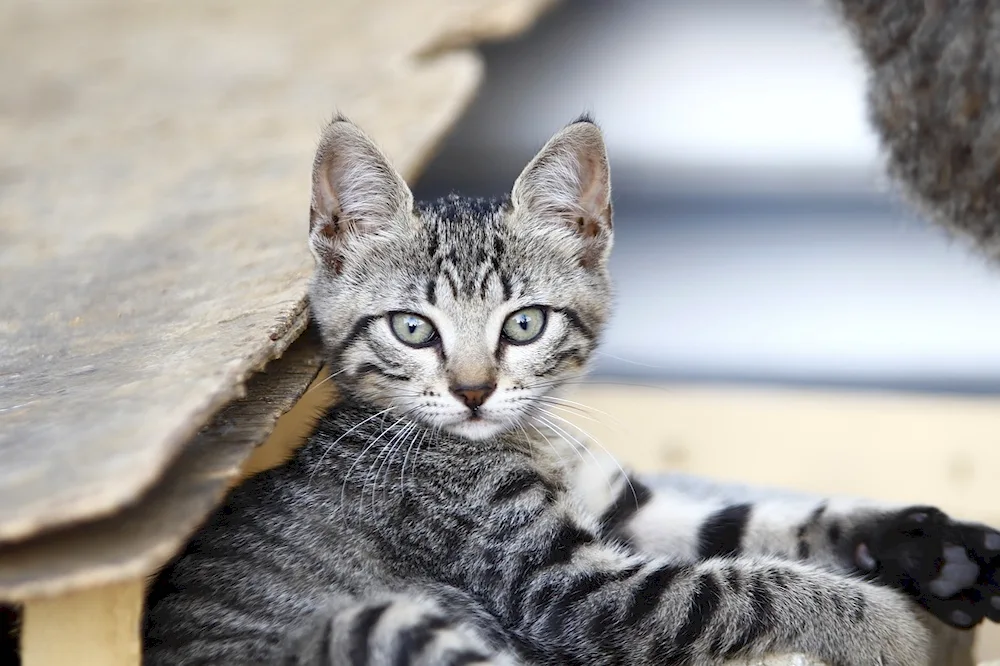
[360, 327]
[413, 640]
[722, 533]
[573, 317]
[371, 368]
[860, 606]
[485, 283]
[429, 291]
[463, 658]
[364, 624]
[758, 622]
[625, 506]
[648, 592]
[451, 284]
[325, 644]
[433, 241]
[704, 605]
[834, 534]
[564, 543]
[560, 358]
[505, 285]
[517, 483]
[579, 589]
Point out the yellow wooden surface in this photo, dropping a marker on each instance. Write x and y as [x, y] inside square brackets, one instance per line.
[96, 627]
[908, 448]
[293, 427]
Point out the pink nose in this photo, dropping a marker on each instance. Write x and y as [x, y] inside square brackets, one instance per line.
[474, 396]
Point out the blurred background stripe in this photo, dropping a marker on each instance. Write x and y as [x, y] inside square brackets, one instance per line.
[756, 239]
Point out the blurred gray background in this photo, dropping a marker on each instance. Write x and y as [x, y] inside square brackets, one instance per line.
[756, 239]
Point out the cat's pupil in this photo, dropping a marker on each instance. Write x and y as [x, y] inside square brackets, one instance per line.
[523, 321]
[412, 326]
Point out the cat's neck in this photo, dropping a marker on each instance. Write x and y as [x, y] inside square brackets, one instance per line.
[355, 436]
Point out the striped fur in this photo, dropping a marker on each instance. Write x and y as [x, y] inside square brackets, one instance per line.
[949, 567]
[477, 550]
[418, 526]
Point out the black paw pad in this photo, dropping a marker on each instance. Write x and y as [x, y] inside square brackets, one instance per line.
[949, 567]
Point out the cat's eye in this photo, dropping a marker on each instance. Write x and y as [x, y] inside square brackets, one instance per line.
[412, 329]
[524, 326]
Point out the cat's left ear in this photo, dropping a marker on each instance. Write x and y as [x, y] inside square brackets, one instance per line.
[568, 183]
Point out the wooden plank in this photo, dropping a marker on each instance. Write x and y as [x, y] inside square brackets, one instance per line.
[93, 627]
[140, 538]
[153, 200]
[293, 428]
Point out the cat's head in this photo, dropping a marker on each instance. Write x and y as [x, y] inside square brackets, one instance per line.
[460, 313]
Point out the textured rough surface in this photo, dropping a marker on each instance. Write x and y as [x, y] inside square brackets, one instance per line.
[154, 188]
[137, 540]
[786, 660]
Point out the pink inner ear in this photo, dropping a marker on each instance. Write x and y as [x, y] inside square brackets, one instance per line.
[325, 199]
[588, 227]
[593, 190]
[593, 197]
[331, 229]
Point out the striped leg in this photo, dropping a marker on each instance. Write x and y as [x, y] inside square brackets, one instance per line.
[401, 630]
[540, 564]
[949, 567]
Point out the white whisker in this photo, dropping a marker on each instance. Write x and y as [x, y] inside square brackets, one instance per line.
[579, 444]
[369, 445]
[386, 449]
[406, 457]
[325, 380]
[555, 451]
[346, 433]
[614, 459]
[394, 446]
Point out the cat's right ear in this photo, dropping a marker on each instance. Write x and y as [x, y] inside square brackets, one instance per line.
[355, 192]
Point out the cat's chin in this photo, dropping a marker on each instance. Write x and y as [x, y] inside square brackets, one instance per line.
[477, 429]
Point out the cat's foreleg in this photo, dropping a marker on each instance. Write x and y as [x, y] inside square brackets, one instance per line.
[950, 567]
[540, 565]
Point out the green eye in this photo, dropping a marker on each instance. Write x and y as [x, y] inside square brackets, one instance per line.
[524, 326]
[412, 329]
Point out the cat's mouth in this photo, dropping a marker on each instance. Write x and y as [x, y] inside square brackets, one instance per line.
[476, 426]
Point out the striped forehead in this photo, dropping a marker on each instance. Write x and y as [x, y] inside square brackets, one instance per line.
[466, 245]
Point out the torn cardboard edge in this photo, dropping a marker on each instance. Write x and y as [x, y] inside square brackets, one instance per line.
[142, 537]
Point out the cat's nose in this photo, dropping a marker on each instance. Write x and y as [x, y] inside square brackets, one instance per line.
[474, 396]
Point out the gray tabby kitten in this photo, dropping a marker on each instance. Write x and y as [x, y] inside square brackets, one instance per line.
[431, 520]
[437, 516]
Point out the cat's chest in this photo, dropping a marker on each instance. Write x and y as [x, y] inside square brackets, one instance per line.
[453, 494]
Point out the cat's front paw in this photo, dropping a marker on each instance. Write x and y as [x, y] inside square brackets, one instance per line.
[949, 567]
